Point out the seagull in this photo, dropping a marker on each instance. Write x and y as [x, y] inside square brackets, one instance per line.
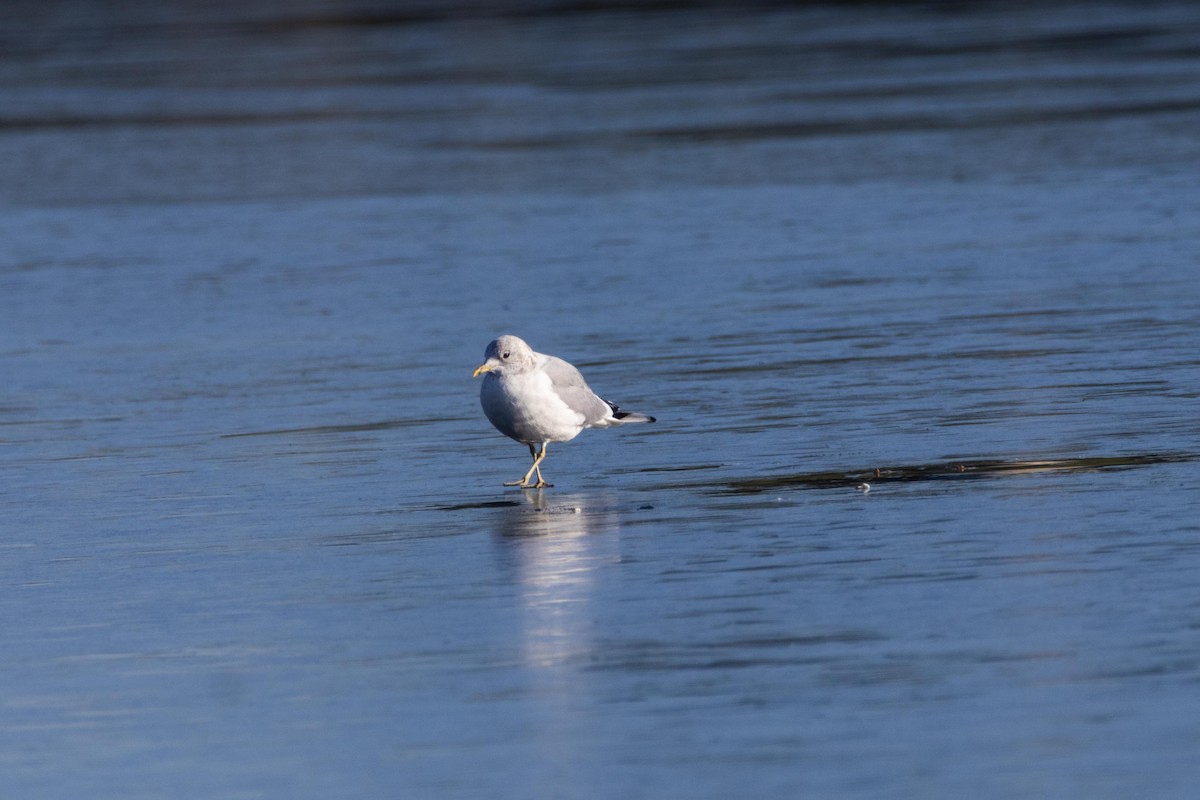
[537, 399]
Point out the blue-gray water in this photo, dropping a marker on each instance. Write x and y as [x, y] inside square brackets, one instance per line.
[254, 539]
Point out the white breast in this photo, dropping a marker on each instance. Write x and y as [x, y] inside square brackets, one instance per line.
[525, 407]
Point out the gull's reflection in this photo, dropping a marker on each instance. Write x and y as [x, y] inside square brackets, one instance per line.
[557, 545]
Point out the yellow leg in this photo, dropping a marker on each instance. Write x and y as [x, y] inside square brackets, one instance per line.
[525, 481]
[537, 460]
[537, 467]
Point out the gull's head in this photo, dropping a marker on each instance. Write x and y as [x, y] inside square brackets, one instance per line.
[506, 354]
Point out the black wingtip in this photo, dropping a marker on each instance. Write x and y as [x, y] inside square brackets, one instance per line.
[636, 416]
[619, 414]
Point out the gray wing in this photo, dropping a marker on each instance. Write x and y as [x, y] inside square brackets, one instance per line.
[569, 384]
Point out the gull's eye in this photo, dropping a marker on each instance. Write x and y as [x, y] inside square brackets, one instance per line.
[505, 355]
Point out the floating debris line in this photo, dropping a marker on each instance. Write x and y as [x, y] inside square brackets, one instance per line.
[952, 470]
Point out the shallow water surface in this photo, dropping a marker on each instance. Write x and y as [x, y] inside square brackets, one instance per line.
[914, 295]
